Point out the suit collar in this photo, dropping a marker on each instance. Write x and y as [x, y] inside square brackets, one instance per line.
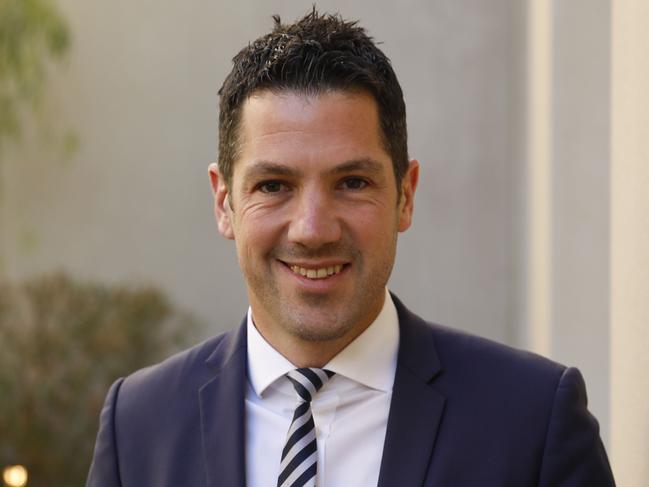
[417, 350]
[416, 409]
[228, 349]
[222, 411]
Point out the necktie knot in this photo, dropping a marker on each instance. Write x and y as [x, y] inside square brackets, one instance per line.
[309, 380]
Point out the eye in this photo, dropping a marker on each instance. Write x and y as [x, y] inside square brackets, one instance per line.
[354, 183]
[271, 187]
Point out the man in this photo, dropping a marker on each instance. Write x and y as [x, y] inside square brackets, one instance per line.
[330, 380]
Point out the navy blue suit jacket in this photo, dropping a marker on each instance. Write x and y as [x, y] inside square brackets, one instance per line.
[465, 411]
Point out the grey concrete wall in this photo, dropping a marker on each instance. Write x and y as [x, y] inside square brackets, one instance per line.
[140, 91]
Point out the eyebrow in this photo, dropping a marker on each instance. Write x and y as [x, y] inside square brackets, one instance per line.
[269, 168]
[363, 165]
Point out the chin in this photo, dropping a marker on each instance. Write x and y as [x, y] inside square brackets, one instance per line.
[319, 334]
[318, 326]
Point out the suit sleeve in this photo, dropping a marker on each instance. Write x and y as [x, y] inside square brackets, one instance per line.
[104, 470]
[574, 455]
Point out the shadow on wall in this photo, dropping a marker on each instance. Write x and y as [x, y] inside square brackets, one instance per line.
[62, 343]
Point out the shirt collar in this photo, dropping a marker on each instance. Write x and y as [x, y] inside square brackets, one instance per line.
[371, 359]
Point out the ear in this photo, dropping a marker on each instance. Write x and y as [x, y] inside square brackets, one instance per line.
[222, 208]
[408, 188]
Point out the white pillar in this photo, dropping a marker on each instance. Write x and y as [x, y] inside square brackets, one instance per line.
[539, 183]
[630, 244]
[568, 293]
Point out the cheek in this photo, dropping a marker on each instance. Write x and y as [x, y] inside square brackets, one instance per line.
[372, 224]
[256, 237]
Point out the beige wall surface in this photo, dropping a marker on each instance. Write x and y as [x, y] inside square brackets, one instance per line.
[630, 245]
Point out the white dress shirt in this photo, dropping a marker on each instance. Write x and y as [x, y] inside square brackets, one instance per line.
[350, 412]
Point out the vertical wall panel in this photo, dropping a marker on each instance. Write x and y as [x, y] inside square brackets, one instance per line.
[630, 245]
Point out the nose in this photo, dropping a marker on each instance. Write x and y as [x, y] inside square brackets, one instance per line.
[314, 221]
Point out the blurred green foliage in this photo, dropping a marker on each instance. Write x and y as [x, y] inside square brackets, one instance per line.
[32, 32]
[62, 343]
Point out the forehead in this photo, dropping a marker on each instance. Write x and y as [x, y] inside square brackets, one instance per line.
[299, 108]
[310, 129]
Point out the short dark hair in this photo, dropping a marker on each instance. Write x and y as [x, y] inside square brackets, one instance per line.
[314, 54]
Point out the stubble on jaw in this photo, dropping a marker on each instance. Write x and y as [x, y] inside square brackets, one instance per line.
[313, 318]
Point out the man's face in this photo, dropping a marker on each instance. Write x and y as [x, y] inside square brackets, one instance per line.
[313, 210]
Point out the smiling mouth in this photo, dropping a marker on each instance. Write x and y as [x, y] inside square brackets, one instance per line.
[318, 273]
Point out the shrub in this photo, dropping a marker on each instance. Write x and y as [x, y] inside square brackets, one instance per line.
[62, 343]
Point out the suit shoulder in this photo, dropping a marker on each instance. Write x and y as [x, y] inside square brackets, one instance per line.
[175, 373]
[491, 386]
[458, 350]
[462, 348]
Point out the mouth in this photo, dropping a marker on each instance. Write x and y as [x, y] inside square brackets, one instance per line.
[316, 272]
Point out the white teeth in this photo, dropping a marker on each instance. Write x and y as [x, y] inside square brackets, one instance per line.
[319, 273]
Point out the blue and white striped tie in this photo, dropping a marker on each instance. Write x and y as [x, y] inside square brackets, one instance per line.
[300, 456]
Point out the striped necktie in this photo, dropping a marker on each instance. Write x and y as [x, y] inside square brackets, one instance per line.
[299, 456]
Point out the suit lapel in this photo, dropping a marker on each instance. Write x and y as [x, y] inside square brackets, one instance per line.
[222, 409]
[416, 408]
